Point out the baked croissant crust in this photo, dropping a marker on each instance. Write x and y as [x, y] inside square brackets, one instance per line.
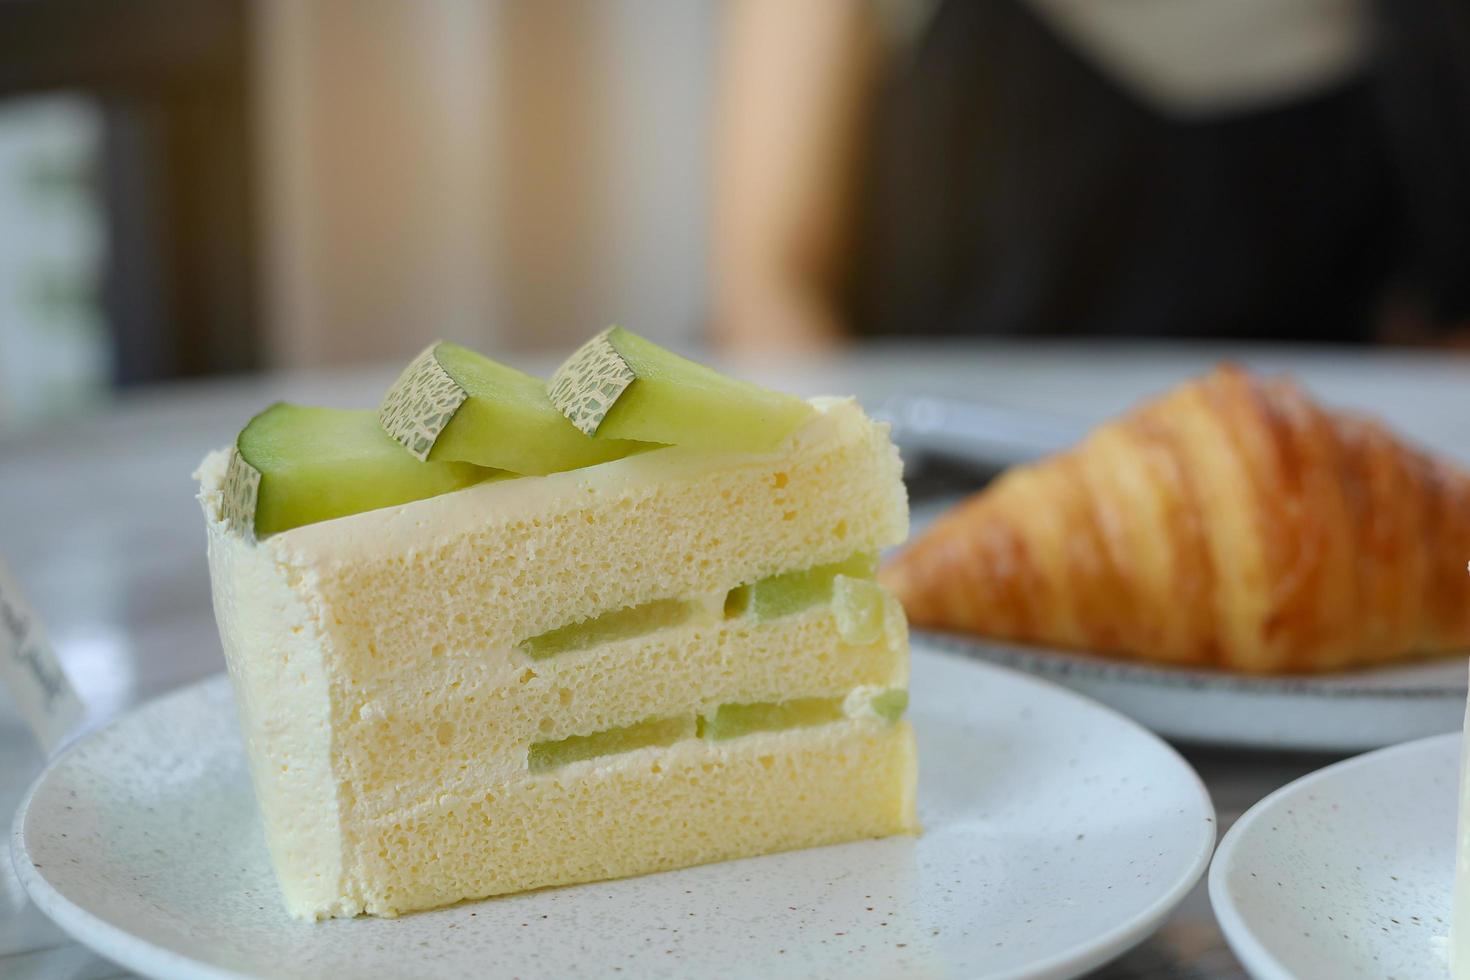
[1231, 523]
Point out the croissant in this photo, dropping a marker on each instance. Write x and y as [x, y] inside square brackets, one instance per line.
[1230, 523]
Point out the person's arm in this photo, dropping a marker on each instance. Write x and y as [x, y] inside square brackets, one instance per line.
[793, 90]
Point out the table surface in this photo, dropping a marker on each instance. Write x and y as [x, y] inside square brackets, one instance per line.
[124, 591]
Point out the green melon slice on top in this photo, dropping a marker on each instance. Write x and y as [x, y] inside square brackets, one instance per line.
[453, 404]
[296, 465]
[620, 386]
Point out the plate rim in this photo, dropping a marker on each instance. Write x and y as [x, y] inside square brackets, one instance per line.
[148, 958]
[104, 938]
[1127, 935]
[1347, 712]
[1258, 960]
[1175, 676]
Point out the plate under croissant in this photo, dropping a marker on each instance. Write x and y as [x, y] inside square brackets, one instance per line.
[1345, 712]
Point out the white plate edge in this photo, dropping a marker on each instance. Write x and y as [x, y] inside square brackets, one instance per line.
[1092, 675]
[1170, 675]
[1259, 962]
[1126, 936]
[104, 938]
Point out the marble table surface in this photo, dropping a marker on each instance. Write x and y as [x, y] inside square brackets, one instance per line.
[99, 524]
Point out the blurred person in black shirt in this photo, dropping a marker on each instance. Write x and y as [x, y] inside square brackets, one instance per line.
[1282, 169]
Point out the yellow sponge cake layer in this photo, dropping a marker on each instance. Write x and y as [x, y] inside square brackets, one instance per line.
[391, 700]
[650, 810]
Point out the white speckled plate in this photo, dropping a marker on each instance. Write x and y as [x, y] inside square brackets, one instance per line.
[1346, 872]
[1344, 712]
[1058, 834]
